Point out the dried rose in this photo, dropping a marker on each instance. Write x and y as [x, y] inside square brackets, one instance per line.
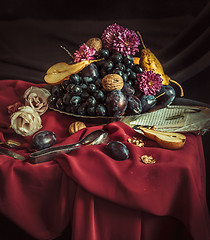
[36, 98]
[14, 108]
[26, 121]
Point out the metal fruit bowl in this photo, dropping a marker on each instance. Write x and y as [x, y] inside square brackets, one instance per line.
[91, 119]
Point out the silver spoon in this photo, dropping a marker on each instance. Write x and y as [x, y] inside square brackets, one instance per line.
[47, 154]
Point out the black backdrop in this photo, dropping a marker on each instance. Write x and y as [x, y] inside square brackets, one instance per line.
[178, 32]
[97, 10]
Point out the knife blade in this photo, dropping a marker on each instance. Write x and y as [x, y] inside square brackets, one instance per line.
[11, 154]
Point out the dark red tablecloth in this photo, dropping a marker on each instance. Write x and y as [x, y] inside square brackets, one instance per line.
[100, 197]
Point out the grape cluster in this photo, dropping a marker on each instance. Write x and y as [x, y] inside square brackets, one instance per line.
[83, 93]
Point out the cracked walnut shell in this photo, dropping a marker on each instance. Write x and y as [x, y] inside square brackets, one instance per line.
[112, 82]
[76, 126]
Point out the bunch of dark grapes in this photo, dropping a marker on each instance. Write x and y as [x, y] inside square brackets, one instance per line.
[83, 93]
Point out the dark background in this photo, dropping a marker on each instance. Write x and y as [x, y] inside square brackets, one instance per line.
[63, 9]
[177, 32]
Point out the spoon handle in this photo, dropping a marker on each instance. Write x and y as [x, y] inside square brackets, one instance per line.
[46, 151]
[48, 156]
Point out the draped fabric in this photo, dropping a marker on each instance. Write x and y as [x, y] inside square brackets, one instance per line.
[100, 197]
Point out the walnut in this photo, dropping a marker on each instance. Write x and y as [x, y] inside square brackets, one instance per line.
[95, 43]
[76, 126]
[148, 159]
[111, 82]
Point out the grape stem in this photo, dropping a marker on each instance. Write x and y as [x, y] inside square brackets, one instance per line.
[67, 52]
[160, 95]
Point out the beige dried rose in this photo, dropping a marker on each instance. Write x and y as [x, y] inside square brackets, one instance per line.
[26, 121]
[37, 99]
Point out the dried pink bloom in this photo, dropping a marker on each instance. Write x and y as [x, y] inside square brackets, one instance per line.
[117, 39]
[110, 34]
[84, 53]
[126, 43]
[149, 83]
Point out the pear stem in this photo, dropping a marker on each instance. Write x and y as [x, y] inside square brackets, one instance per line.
[181, 89]
[142, 42]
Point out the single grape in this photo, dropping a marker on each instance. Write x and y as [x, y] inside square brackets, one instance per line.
[85, 94]
[70, 87]
[73, 109]
[76, 90]
[137, 69]
[117, 150]
[132, 75]
[98, 83]
[75, 79]
[82, 110]
[130, 82]
[116, 57]
[99, 95]
[100, 110]
[52, 101]
[59, 104]
[75, 101]
[128, 63]
[66, 98]
[91, 111]
[83, 86]
[108, 65]
[120, 66]
[64, 84]
[91, 88]
[128, 71]
[124, 76]
[117, 71]
[87, 80]
[104, 53]
[57, 90]
[128, 58]
[91, 101]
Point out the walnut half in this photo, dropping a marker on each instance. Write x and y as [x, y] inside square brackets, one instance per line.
[76, 126]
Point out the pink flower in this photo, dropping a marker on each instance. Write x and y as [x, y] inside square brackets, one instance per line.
[118, 39]
[149, 83]
[110, 34]
[84, 53]
[127, 42]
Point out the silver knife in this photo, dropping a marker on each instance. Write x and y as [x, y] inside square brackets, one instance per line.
[11, 154]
